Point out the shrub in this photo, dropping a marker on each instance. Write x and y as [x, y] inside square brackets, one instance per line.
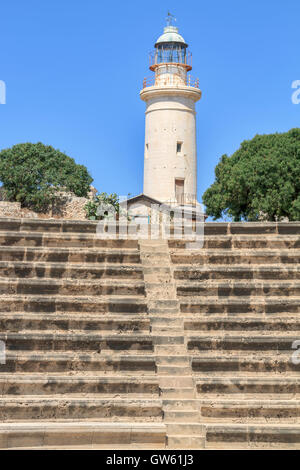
[32, 174]
[106, 201]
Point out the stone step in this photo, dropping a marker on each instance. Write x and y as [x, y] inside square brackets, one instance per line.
[177, 393]
[170, 350]
[70, 287]
[46, 225]
[13, 322]
[62, 361]
[245, 386]
[57, 226]
[173, 360]
[72, 271]
[109, 446]
[79, 433]
[163, 305]
[70, 361]
[259, 334]
[180, 318]
[173, 370]
[268, 229]
[221, 337]
[247, 242]
[179, 382]
[164, 329]
[49, 408]
[77, 385]
[52, 239]
[163, 284]
[181, 416]
[181, 404]
[210, 228]
[155, 259]
[188, 429]
[244, 325]
[68, 255]
[161, 270]
[154, 250]
[83, 342]
[242, 305]
[249, 363]
[167, 293]
[251, 411]
[83, 407]
[236, 289]
[253, 436]
[158, 321]
[239, 272]
[159, 312]
[236, 257]
[282, 342]
[89, 339]
[64, 304]
[183, 441]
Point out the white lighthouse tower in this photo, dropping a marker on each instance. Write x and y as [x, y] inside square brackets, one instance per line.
[170, 160]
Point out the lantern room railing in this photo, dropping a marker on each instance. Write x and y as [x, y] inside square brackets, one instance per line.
[171, 80]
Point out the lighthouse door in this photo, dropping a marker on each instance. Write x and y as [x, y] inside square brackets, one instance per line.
[179, 190]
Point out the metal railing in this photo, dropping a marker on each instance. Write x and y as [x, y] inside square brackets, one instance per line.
[182, 199]
[169, 56]
[171, 80]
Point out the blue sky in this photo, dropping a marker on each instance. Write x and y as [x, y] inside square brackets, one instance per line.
[73, 71]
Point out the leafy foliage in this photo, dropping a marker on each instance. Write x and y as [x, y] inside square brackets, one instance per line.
[260, 181]
[105, 202]
[32, 174]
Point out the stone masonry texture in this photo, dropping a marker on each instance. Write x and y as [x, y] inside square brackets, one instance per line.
[136, 344]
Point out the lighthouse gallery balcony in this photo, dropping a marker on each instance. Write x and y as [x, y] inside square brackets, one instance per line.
[171, 80]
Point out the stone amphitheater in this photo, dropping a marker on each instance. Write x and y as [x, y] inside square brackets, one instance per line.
[135, 344]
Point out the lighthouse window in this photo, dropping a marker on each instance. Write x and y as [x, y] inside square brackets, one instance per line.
[171, 53]
[178, 147]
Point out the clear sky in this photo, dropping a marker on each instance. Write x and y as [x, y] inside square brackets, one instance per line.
[73, 71]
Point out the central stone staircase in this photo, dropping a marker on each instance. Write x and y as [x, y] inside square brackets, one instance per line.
[145, 343]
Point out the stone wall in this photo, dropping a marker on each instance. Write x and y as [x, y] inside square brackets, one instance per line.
[10, 209]
[67, 206]
[70, 207]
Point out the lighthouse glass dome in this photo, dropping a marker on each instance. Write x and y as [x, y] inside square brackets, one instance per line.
[170, 48]
[171, 53]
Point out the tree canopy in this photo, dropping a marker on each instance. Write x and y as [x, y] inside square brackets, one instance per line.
[32, 174]
[260, 181]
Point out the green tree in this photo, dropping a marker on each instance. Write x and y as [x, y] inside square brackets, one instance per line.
[32, 174]
[260, 181]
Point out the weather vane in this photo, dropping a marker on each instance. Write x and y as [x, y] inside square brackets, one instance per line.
[170, 19]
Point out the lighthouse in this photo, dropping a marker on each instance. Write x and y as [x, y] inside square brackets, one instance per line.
[170, 155]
